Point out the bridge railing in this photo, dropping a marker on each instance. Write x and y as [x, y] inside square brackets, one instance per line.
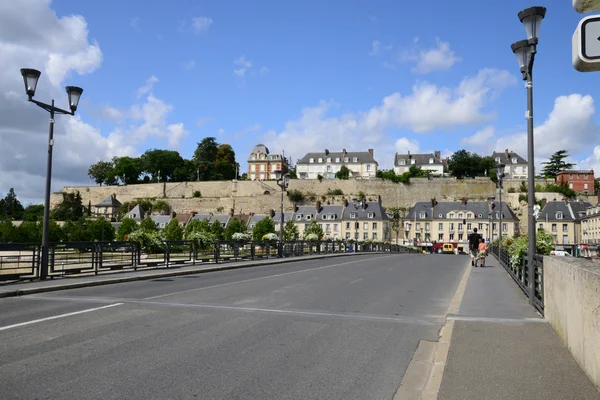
[519, 271]
[21, 261]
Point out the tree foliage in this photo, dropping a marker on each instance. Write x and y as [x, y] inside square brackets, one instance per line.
[101, 172]
[464, 164]
[69, 209]
[235, 225]
[173, 231]
[101, 229]
[314, 228]
[556, 164]
[10, 206]
[262, 228]
[128, 225]
[343, 173]
[148, 224]
[290, 231]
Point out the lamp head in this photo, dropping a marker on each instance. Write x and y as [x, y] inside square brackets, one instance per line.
[30, 78]
[531, 18]
[278, 174]
[74, 93]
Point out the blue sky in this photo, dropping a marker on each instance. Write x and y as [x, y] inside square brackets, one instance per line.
[305, 76]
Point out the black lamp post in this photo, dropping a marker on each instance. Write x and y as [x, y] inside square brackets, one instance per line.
[283, 182]
[525, 50]
[30, 78]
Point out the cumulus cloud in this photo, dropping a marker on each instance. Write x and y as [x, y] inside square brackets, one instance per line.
[438, 58]
[242, 66]
[201, 24]
[426, 109]
[405, 145]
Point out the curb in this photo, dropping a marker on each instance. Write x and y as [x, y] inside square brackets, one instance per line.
[91, 283]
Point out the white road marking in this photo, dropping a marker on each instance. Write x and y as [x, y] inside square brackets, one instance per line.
[357, 280]
[35, 321]
[497, 320]
[260, 278]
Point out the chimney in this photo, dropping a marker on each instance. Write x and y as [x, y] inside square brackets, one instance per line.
[364, 203]
[318, 204]
[408, 153]
[379, 199]
[272, 213]
[346, 200]
[371, 152]
[464, 201]
[438, 155]
[506, 153]
[326, 152]
[194, 213]
[173, 214]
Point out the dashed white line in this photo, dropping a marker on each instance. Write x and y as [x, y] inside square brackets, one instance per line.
[357, 280]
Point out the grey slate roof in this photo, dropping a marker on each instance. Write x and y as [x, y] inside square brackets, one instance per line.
[256, 218]
[335, 210]
[287, 215]
[362, 213]
[420, 159]
[571, 211]
[201, 217]
[262, 149]
[161, 219]
[138, 212]
[511, 155]
[444, 207]
[110, 201]
[304, 211]
[222, 218]
[362, 156]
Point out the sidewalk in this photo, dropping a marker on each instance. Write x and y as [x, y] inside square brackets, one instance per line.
[501, 348]
[25, 288]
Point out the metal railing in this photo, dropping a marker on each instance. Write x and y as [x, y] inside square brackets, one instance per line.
[520, 274]
[19, 261]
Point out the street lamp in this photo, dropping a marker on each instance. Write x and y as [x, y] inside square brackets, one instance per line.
[30, 78]
[525, 50]
[283, 182]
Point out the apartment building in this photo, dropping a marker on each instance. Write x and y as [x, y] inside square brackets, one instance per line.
[581, 181]
[590, 225]
[428, 161]
[563, 220]
[515, 166]
[361, 164]
[262, 164]
[366, 220]
[453, 221]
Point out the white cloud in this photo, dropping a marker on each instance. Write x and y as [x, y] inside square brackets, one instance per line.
[480, 139]
[189, 65]
[243, 66]
[264, 71]
[203, 121]
[375, 48]
[435, 59]
[405, 145]
[201, 24]
[147, 88]
[426, 109]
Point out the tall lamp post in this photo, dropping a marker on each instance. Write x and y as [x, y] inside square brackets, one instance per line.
[500, 175]
[283, 182]
[525, 50]
[30, 78]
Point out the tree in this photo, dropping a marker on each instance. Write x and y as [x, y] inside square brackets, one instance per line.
[173, 231]
[343, 173]
[101, 229]
[216, 229]
[161, 164]
[8, 231]
[225, 165]
[128, 225]
[75, 231]
[464, 164]
[290, 231]
[315, 228]
[101, 171]
[34, 212]
[70, 208]
[196, 225]
[148, 224]
[185, 172]
[205, 156]
[29, 232]
[128, 169]
[10, 206]
[556, 164]
[236, 225]
[262, 228]
[295, 196]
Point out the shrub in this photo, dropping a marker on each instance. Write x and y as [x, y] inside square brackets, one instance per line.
[295, 196]
[512, 190]
[266, 192]
[335, 192]
[197, 193]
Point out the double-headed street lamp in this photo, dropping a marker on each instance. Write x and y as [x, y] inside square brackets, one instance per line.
[283, 182]
[525, 50]
[30, 78]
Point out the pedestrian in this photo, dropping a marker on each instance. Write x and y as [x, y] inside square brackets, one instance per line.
[474, 245]
[482, 253]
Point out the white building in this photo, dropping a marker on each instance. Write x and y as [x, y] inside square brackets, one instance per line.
[361, 164]
[428, 161]
[515, 165]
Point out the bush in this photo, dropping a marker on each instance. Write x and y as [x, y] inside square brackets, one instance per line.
[335, 192]
[517, 246]
[266, 192]
[512, 190]
[197, 194]
[523, 187]
[295, 196]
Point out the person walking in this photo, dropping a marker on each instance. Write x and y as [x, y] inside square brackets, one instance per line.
[482, 253]
[474, 245]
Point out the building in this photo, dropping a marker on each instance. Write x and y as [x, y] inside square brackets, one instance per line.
[108, 208]
[304, 215]
[262, 164]
[590, 225]
[580, 181]
[429, 161]
[453, 221]
[287, 216]
[136, 213]
[330, 220]
[515, 166]
[326, 164]
[563, 219]
[365, 220]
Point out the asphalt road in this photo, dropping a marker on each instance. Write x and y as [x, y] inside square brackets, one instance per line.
[341, 328]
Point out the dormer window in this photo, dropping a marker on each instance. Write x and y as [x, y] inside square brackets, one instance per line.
[431, 161]
[497, 160]
[345, 159]
[262, 156]
[559, 215]
[312, 160]
[402, 162]
[298, 217]
[308, 217]
[353, 215]
[337, 159]
[460, 216]
[355, 159]
[412, 161]
[254, 156]
[451, 215]
[422, 214]
[371, 215]
[328, 159]
[514, 160]
[320, 160]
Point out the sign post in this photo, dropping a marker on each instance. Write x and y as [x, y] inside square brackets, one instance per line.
[586, 38]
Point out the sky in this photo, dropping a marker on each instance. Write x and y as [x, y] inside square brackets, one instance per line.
[298, 76]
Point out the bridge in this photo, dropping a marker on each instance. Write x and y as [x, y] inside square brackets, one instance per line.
[381, 324]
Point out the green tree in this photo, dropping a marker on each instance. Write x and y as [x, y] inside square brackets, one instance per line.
[161, 164]
[101, 229]
[173, 231]
[295, 196]
[463, 164]
[8, 231]
[290, 231]
[343, 173]
[205, 156]
[236, 225]
[10, 206]
[217, 231]
[34, 212]
[262, 228]
[75, 231]
[128, 225]
[101, 172]
[70, 208]
[127, 169]
[196, 225]
[29, 232]
[185, 172]
[148, 224]
[225, 164]
[556, 164]
[315, 228]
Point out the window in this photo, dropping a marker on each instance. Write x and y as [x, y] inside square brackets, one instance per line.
[451, 215]
[497, 160]
[365, 235]
[308, 217]
[570, 185]
[412, 161]
[440, 237]
[504, 227]
[345, 159]
[426, 226]
[431, 161]
[320, 160]
[354, 159]
[329, 168]
[494, 226]
[347, 235]
[542, 226]
[451, 226]
[469, 226]
[366, 226]
[460, 216]
[262, 167]
[374, 225]
[328, 159]
[335, 227]
[441, 226]
[254, 156]
[353, 215]
[368, 167]
[422, 214]
[460, 237]
[370, 215]
[559, 215]
[356, 225]
[514, 160]
[347, 225]
[418, 228]
[337, 159]
[252, 226]
[328, 228]
[402, 162]
[311, 160]
[298, 217]
[571, 176]
[585, 186]
[565, 228]
[480, 226]
[452, 237]
[460, 226]
[440, 215]
[374, 235]
[565, 239]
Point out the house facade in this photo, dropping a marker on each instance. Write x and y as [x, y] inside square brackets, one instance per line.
[453, 221]
[581, 181]
[365, 220]
[563, 219]
[428, 161]
[262, 164]
[590, 225]
[515, 166]
[108, 208]
[361, 164]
